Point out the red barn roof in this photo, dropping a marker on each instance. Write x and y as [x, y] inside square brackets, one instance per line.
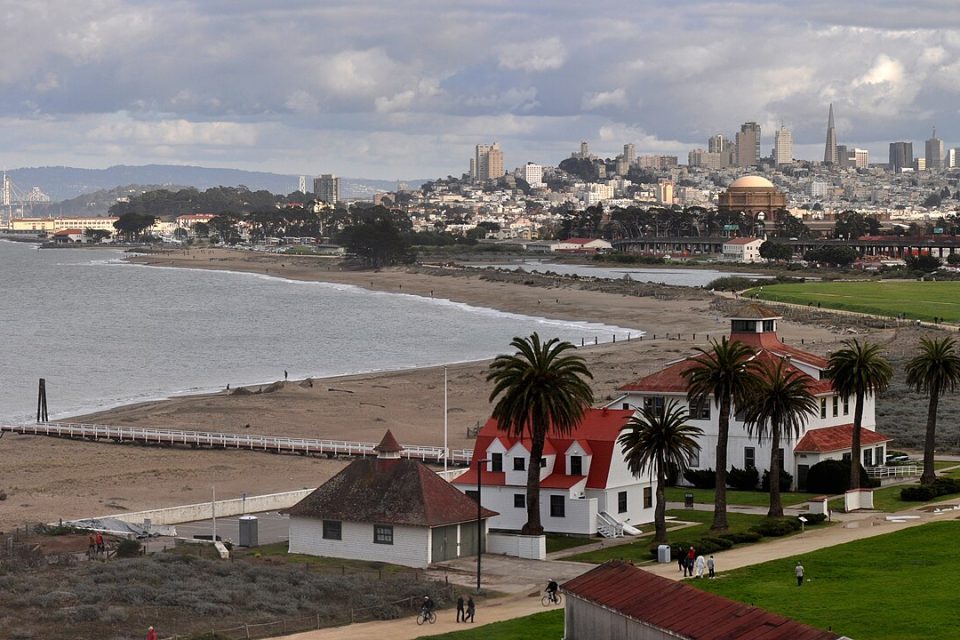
[838, 438]
[681, 610]
[597, 433]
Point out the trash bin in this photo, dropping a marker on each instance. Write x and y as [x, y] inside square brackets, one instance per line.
[688, 500]
[248, 531]
[663, 554]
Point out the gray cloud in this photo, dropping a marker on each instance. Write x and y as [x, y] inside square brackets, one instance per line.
[405, 89]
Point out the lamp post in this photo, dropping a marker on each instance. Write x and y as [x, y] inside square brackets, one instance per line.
[480, 464]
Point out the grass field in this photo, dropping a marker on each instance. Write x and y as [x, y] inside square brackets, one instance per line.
[891, 587]
[540, 625]
[745, 498]
[639, 552]
[917, 300]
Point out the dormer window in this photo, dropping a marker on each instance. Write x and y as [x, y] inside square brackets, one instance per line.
[576, 465]
[496, 462]
[519, 464]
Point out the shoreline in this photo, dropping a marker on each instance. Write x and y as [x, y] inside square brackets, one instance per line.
[48, 478]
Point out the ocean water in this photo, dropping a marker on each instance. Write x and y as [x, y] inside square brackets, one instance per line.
[675, 277]
[105, 333]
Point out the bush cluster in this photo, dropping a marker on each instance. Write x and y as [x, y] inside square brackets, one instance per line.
[814, 518]
[701, 478]
[786, 481]
[743, 479]
[776, 527]
[924, 492]
[832, 477]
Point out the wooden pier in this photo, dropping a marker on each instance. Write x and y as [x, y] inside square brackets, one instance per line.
[213, 440]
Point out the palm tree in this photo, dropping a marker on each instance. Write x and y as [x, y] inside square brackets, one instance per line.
[935, 370]
[778, 409]
[722, 371]
[540, 387]
[859, 369]
[654, 440]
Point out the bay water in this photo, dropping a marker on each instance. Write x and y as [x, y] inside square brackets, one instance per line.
[105, 333]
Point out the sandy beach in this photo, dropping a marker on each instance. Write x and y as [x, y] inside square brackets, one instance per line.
[47, 479]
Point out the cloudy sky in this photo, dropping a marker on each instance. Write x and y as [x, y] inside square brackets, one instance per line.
[405, 89]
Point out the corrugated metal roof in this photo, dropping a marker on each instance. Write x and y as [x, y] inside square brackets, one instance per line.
[681, 609]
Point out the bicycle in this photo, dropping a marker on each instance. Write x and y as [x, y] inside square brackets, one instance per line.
[426, 616]
[548, 599]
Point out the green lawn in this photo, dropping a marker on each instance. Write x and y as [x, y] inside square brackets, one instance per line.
[891, 587]
[638, 552]
[557, 542]
[536, 627]
[745, 498]
[918, 300]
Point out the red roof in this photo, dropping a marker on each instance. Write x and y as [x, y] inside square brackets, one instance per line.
[597, 432]
[559, 481]
[580, 240]
[682, 610]
[489, 478]
[838, 438]
[389, 444]
[766, 345]
[741, 240]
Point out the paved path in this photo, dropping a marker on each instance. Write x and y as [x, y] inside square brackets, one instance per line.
[525, 601]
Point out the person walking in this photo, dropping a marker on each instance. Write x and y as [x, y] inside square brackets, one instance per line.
[681, 562]
[151, 634]
[691, 558]
[710, 567]
[100, 546]
[460, 614]
[701, 565]
[471, 609]
[799, 572]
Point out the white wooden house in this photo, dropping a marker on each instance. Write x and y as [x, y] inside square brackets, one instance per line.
[585, 486]
[387, 509]
[827, 434]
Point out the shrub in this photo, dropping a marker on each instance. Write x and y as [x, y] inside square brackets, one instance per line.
[786, 481]
[941, 486]
[733, 283]
[3, 495]
[743, 479]
[701, 478]
[776, 527]
[832, 477]
[814, 518]
[741, 537]
[128, 549]
[718, 541]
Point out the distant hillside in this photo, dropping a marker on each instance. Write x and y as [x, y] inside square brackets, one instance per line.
[64, 183]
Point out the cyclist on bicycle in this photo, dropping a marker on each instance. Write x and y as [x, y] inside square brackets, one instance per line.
[552, 589]
[427, 606]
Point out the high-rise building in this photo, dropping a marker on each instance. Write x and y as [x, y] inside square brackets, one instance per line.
[748, 145]
[782, 146]
[934, 152]
[952, 158]
[901, 156]
[717, 144]
[327, 188]
[664, 191]
[302, 184]
[533, 174]
[706, 159]
[830, 148]
[629, 153]
[488, 162]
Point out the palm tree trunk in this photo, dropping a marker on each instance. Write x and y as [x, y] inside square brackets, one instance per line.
[660, 510]
[855, 456]
[776, 505]
[720, 492]
[930, 442]
[533, 526]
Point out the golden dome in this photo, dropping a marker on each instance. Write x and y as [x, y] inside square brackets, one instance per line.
[751, 181]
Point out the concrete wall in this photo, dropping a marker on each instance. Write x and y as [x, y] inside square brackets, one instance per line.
[411, 545]
[518, 546]
[204, 510]
[585, 621]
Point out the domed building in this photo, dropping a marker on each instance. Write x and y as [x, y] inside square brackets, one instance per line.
[752, 195]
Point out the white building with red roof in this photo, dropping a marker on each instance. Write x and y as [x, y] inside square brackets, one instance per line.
[585, 486]
[827, 435]
[387, 509]
[742, 250]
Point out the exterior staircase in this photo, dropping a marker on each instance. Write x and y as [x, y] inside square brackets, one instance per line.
[608, 526]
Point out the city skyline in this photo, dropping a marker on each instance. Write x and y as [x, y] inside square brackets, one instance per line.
[299, 88]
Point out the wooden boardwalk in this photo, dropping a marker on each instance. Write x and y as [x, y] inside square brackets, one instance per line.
[213, 440]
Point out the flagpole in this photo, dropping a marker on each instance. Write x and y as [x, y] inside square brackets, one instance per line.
[446, 451]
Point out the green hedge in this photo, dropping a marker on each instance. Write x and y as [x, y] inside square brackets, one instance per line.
[743, 479]
[776, 527]
[701, 479]
[940, 487]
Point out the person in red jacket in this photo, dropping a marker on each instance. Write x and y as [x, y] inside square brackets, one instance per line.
[151, 634]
